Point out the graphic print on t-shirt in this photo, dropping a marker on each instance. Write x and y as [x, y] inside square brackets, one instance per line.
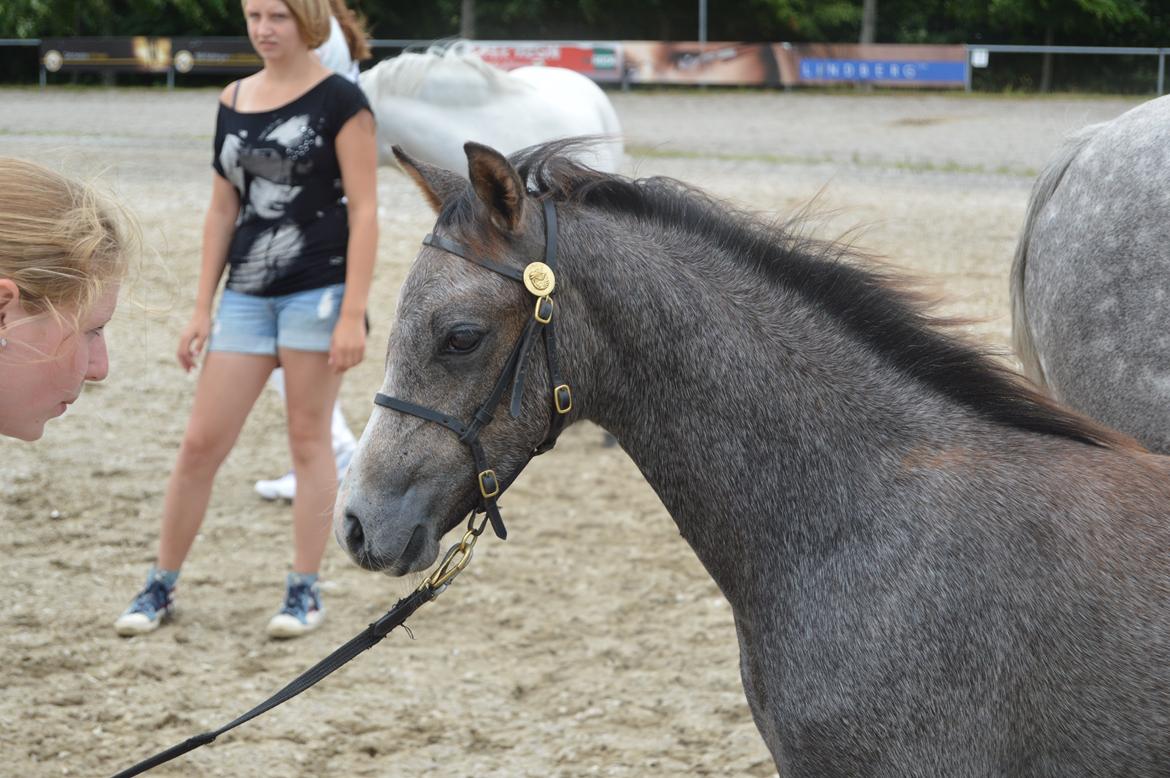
[265, 169]
[292, 232]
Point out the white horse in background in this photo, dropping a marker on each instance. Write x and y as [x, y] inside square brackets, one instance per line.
[431, 104]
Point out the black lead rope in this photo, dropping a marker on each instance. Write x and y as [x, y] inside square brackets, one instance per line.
[368, 637]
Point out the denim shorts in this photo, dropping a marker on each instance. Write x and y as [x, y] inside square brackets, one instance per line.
[250, 324]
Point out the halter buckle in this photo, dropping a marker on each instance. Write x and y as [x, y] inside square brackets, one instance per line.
[563, 399]
[489, 485]
[544, 310]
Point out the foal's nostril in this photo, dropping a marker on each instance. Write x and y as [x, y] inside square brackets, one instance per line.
[355, 537]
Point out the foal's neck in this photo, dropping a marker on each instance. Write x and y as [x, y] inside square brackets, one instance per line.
[763, 427]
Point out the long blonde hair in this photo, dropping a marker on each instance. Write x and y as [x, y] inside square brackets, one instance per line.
[61, 242]
[312, 18]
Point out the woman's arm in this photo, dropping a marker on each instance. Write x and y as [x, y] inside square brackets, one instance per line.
[218, 227]
[357, 154]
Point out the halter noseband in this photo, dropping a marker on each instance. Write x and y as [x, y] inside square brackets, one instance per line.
[539, 279]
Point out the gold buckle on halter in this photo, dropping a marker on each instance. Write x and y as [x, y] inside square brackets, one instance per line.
[566, 405]
[489, 485]
[544, 310]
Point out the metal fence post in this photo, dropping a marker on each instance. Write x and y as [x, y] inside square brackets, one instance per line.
[1161, 70]
[967, 67]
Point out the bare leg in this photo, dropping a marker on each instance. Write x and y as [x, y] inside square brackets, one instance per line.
[343, 438]
[228, 386]
[311, 390]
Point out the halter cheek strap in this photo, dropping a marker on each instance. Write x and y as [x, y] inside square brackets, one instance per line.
[541, 285]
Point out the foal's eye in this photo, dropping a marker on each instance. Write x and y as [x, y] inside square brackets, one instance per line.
[463, 340]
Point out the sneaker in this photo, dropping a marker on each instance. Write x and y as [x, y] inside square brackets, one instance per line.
[282, 488]
[302, 610]
[153, 605]
[285, 487]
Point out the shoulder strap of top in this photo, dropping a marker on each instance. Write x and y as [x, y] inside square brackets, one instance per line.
[236, 94]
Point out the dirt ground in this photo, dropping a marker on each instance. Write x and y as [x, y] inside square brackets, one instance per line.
[592, 642]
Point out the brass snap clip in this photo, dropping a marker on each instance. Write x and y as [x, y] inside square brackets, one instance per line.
[456, 559]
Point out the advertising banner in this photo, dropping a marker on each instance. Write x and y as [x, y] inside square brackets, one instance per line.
[716, 63]
[787, 64]
[215, 55]
[883, 65]
[599, 61]
[137, 54]
[631, 62]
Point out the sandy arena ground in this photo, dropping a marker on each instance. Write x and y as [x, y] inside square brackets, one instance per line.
[592, 642]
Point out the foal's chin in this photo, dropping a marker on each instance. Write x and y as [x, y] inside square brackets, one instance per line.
[419, 553]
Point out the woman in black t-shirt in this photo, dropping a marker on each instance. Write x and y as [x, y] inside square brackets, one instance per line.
[293, 218]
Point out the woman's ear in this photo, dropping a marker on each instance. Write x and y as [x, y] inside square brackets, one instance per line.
[9, 300]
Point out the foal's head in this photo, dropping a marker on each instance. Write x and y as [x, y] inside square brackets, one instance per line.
[412, 480]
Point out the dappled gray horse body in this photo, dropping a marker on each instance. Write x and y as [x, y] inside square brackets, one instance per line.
[1091, 279]
[933, 570]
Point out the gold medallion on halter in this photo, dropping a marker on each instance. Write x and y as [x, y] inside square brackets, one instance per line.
[539, 279]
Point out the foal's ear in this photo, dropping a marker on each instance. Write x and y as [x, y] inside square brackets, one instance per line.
[496, 183]
[436, 184]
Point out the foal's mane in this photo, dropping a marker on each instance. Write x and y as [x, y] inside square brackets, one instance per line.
[877, 308]
[405, 74]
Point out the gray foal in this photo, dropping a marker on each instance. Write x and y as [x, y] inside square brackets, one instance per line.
[933, 569]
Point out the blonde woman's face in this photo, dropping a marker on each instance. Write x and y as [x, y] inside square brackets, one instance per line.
[46, 362]
[273, 29]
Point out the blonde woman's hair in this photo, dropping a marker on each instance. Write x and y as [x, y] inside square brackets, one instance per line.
[353, 25]
[312, 18]
[61, 242]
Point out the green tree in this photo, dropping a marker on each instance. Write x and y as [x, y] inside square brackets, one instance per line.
[49, 18]
[1102, 22]
[1067, 18]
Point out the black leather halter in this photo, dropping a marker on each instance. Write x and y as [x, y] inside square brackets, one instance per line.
[490, 486]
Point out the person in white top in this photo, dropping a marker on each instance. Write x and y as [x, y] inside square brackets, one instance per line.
[341, 53]
[335, 54]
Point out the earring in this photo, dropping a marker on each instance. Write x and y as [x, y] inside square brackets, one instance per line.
[3, 342]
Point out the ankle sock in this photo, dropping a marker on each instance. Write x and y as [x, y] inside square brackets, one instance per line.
[168, 577]
[301, 578]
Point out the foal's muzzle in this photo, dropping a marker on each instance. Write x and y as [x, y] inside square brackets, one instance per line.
[397, 547]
